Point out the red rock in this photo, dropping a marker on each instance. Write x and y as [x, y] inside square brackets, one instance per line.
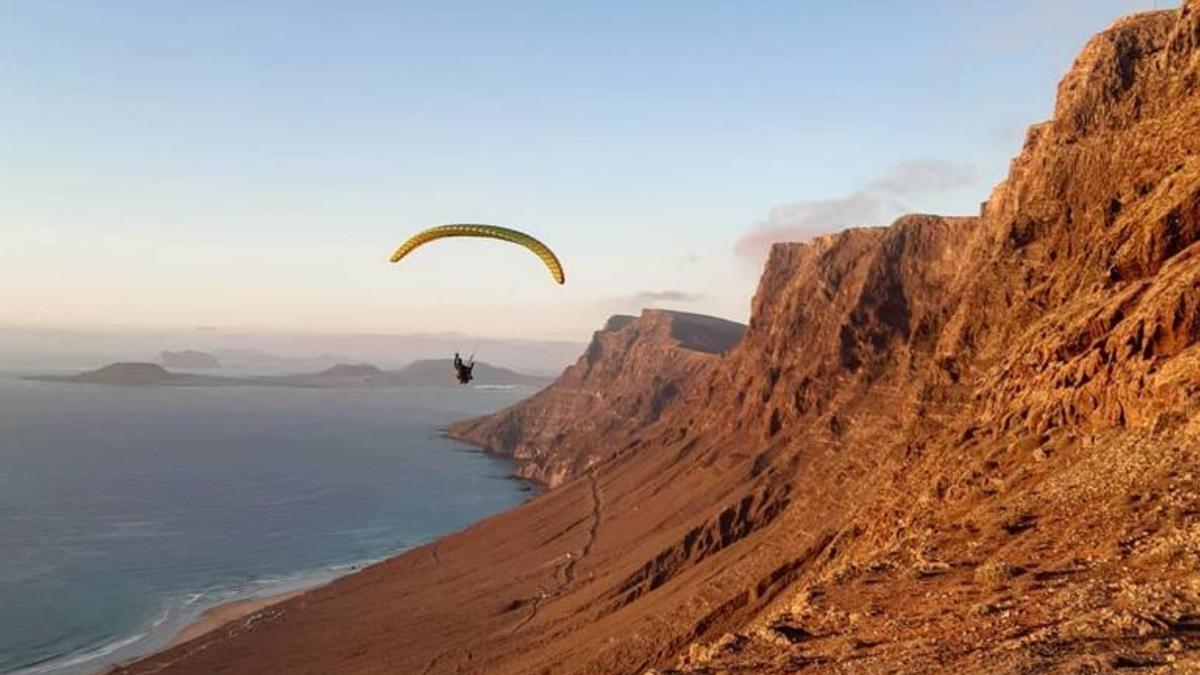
[629, 374]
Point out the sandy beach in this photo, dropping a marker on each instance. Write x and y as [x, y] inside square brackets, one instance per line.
[220, 615]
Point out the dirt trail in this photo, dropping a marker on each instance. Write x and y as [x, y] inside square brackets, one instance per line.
[568, 568]
[597, 514]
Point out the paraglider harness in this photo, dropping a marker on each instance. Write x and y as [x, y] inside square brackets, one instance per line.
[462, 370]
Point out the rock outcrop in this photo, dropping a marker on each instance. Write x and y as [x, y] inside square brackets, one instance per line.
[630, 373]
[952, 444]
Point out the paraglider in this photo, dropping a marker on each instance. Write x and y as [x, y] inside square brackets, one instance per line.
[462, 370]
[486, 231]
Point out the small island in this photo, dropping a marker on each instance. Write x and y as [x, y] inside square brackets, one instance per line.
[424, 373]
[127, 374]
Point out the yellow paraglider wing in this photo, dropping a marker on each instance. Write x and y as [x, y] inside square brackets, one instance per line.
[487, 231]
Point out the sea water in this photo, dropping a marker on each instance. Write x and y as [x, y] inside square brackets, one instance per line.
[125, 512]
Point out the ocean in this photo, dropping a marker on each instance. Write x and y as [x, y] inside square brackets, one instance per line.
[125, 512]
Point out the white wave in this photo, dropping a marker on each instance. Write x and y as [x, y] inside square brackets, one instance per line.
[80, 659]
[162, 618]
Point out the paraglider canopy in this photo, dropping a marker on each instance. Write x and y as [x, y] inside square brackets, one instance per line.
[488, 232]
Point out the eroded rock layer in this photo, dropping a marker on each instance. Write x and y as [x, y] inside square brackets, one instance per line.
[631, 372]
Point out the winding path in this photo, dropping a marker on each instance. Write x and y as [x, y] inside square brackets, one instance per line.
[568, 571]
[597, 506]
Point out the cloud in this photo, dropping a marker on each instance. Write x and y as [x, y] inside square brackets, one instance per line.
[638, 301]
[667, 296]
[875, 203]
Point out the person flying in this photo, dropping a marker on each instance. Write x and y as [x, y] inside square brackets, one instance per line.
[462, 369]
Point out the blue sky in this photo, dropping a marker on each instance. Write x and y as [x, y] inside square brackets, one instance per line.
[250, 166]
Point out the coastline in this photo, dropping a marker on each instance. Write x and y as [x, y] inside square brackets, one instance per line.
[215, 616]
[165, 614]
[233, 610]
[218, 615]
[184, 626]
[225, 613]
[534, 484]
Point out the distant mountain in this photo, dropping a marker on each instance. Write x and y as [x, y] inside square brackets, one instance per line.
[363, 370]
[424, 373]
[339, 376]
[433, 372]
[188, 358]
[280, 353]
[135, 374]
[259, 360]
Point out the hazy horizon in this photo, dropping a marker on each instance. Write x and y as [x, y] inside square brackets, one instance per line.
[41, 348]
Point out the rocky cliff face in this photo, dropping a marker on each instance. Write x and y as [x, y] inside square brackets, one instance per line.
[1030, 498]
[629, 374]
[952, 444]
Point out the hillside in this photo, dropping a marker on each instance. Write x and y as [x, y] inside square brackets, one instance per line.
[948, 445]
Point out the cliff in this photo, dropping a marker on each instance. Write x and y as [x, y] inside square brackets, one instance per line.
[948, 445]
[629, 374]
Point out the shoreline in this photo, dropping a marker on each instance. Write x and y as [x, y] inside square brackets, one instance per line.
[167, 615]
[533, 485]
[156, 641]
[227, 612]
[240, 607]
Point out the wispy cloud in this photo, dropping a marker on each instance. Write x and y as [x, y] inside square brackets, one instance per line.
[872, 204]
[667, 296]
[636, 302]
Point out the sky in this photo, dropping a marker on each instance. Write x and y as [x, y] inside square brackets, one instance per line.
[233, 166]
